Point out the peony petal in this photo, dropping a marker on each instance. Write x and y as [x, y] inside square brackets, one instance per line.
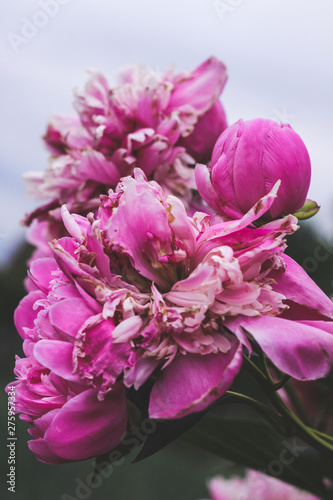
[96, 354]
[26, 313]
[192, 382]
[200, 143]
[68, 315]
[127, 329]
[94, 166]
[205, 188]
[296, 285]
[181, 224]
[86, 427]
[133, 229]
[41, 272]
[43, 452]
[327, 326]
[293, 163]
[57, 357]
[297, 349]
[201, 88]
[140, 372]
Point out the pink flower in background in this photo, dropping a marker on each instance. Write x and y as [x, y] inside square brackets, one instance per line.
[248, 159]
[255, 486]
[200, 143]
[147, 121]
[141, 289]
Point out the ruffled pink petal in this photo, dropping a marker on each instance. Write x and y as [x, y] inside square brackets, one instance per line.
[224, 233]
[192, 382]
[180, 223]
[94, 166]
[64, 132]
[94, 101]
[96, 354]
[140, 372]
[133, 230]
[151, 155]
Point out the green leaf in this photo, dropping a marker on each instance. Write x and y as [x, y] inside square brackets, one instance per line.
[308, 210]
[234, 432]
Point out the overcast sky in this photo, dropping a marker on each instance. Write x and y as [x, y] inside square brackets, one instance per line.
[278, 54]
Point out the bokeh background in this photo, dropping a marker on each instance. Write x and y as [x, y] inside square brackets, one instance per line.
[280, 65]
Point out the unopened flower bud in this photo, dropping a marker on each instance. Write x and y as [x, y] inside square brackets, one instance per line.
[248, 159]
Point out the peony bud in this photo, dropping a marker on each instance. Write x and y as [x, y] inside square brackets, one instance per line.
[248, 159]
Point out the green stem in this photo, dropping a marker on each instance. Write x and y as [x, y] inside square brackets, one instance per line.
[284, 378]
[255, 370]
[294, 399]
[267, 372]
[281, 383]
[304, 431]
[299, 427]
[323, 435]
[272, 418]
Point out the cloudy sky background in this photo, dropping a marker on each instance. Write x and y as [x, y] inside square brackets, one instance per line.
[278, 54]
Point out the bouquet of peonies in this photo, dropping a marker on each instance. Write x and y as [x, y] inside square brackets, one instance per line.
[160, 291]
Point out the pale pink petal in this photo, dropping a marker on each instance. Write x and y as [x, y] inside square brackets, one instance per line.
[127, 330]
[94, 166]
[57, 356]
[140, 372]
[68, 315]
[42, 272]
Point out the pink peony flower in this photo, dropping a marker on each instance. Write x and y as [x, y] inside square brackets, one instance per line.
[69, 421]
[140, 291]
[255, 486]
[147, 121]
[248, 159]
